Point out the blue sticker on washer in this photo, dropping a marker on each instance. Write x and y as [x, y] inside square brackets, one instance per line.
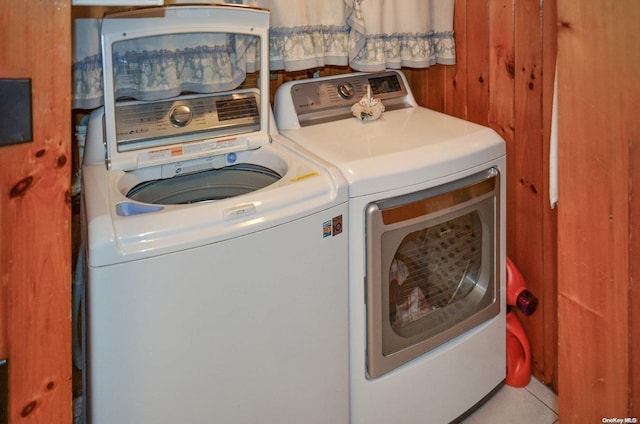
[326, 229]
[232, 157]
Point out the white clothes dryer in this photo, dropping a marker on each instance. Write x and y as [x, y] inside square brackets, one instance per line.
[427, 244]
[216, 252]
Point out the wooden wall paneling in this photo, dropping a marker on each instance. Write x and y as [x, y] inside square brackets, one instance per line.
[427, 86]
[418, 80]
[436, 87]
[598, 121]
[501, 95]
[549, 302]
[528, 162]
[634, 248]
[455, 102]
[477, 54]
[502, 69]
[92, 12]
[482, 88]
[35, 266]
[632, 112]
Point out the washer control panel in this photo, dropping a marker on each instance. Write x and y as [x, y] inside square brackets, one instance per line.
[140, 123]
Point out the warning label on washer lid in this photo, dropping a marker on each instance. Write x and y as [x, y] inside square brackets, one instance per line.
[165, 153]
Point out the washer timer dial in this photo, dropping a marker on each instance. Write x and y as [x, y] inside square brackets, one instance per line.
[180, 116]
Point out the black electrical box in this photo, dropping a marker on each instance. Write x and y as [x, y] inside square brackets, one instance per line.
[15, 111]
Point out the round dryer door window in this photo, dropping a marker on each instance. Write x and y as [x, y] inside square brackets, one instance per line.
[214, 184]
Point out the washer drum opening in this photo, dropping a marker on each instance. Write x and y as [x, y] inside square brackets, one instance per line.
[213, 184]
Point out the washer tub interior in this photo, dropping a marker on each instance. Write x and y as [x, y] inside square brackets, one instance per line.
[204, 180]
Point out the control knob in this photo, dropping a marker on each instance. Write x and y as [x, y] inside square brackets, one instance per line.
[180, 116]
[345, 90]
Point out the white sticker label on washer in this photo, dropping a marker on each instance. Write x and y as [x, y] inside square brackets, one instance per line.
[165, 153]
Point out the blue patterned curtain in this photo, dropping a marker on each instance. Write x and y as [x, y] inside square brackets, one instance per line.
[397, 33]
[368, 35]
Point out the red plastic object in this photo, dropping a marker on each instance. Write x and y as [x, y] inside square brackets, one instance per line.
[518, 353]
[517, 293]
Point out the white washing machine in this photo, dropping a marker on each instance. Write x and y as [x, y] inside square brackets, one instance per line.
[217, 273]
[427, 245]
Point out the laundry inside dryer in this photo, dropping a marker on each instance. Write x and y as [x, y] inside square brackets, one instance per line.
[214, 184]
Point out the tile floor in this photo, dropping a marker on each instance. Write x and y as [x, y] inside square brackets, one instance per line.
[533, 404]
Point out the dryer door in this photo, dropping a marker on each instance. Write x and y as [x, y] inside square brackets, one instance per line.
[431, 268]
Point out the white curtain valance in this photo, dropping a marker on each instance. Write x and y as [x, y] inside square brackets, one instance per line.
[396, 33]
[368, 35]
[306, 34]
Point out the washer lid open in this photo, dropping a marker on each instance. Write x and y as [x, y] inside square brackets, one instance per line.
[184, 82]
[185, 127]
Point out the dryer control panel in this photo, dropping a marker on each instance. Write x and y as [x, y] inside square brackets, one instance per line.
[328, 100]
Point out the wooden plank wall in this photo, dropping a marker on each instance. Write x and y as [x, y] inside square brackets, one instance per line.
[599, 275]
[503, 78]
[35, 216]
